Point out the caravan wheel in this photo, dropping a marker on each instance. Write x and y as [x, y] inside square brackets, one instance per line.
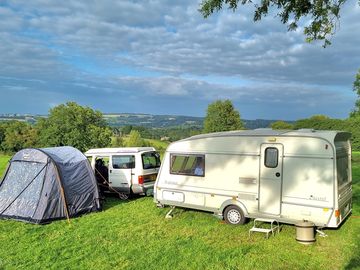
[234, 215]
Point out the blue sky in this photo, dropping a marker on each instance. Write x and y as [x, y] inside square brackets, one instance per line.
[162, 57]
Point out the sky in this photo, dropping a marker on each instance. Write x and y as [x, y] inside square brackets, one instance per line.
[163, 57]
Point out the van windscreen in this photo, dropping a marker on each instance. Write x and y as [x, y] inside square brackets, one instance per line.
[150, 160]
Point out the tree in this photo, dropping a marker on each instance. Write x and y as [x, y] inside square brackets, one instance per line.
[74, 125]
[18, 135]
[356, 88]
[2, 133]
[324, 14]
[135, 139]
[281, 125]
[126, 129]
[321, 122]
[352, 125]
[221, 116]
[117, 141]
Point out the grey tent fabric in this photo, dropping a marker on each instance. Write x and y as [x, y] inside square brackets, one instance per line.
[46, 184]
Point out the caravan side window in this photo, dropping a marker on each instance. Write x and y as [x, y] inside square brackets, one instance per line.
[271, 157]
[193, 165]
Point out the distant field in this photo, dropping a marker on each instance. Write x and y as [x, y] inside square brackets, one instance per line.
[160, 146]
[135, 235]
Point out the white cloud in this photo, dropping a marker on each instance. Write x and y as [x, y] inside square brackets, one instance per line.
[78, 47]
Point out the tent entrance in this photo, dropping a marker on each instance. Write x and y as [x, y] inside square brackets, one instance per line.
[21, 188]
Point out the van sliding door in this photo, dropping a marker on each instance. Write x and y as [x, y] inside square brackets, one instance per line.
[270, 178]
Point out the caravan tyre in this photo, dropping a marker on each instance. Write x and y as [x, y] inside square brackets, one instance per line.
[234, 215]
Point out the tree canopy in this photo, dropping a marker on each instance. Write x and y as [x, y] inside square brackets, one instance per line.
[356, 88]
[281, 125]
[74, 125]
[135, 139]
[221, 116]
[323, 15]
[16, 135]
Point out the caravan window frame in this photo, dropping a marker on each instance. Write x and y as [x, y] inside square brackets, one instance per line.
[192, 172]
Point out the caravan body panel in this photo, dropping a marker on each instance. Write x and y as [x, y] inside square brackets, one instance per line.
[287, 175]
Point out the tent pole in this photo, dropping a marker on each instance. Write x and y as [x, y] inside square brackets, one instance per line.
[62, 194]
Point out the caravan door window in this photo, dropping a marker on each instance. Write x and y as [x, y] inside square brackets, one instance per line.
[271, 157]
[193, 165]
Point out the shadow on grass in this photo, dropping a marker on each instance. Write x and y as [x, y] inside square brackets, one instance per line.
[112, 200]
[354, 262]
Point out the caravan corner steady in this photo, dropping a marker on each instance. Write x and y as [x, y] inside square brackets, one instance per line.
[263, 173]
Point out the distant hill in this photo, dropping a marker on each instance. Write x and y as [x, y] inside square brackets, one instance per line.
[151, 120]
[164, 121]
[146, 120]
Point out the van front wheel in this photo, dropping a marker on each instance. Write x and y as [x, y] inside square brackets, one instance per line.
[234, 215]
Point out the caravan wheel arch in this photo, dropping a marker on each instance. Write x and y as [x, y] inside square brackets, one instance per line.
[230, 202]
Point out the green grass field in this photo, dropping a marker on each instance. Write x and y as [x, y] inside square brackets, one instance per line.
[135, 235]
[3, 163]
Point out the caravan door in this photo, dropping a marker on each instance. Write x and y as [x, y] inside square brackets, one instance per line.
[270, 178]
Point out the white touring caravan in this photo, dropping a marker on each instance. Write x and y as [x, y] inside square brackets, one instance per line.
[127, 170]
[287, 176]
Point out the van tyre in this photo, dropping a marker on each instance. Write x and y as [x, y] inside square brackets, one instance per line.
[234, 215]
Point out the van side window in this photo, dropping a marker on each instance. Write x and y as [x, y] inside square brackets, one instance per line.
[123, 162]
[150, 160]
[271, 157]
[193, 165]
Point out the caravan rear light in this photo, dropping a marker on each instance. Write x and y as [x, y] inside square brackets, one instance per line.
[337, 213]
[141, 179]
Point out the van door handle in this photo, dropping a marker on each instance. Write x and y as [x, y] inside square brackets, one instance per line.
[277, 174]
[110, 171]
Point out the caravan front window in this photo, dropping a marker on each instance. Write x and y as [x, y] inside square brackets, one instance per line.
[193, 165]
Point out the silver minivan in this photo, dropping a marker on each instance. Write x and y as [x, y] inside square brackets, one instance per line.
[127, 170]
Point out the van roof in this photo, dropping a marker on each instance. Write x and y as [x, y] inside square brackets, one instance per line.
[118, 150]
[271, 132]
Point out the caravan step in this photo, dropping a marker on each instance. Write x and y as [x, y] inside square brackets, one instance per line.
[263, 230]
[274, 226]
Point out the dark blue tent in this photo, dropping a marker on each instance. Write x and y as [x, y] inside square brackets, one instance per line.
[41, 185]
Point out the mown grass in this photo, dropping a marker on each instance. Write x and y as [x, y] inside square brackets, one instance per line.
[135, 235]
